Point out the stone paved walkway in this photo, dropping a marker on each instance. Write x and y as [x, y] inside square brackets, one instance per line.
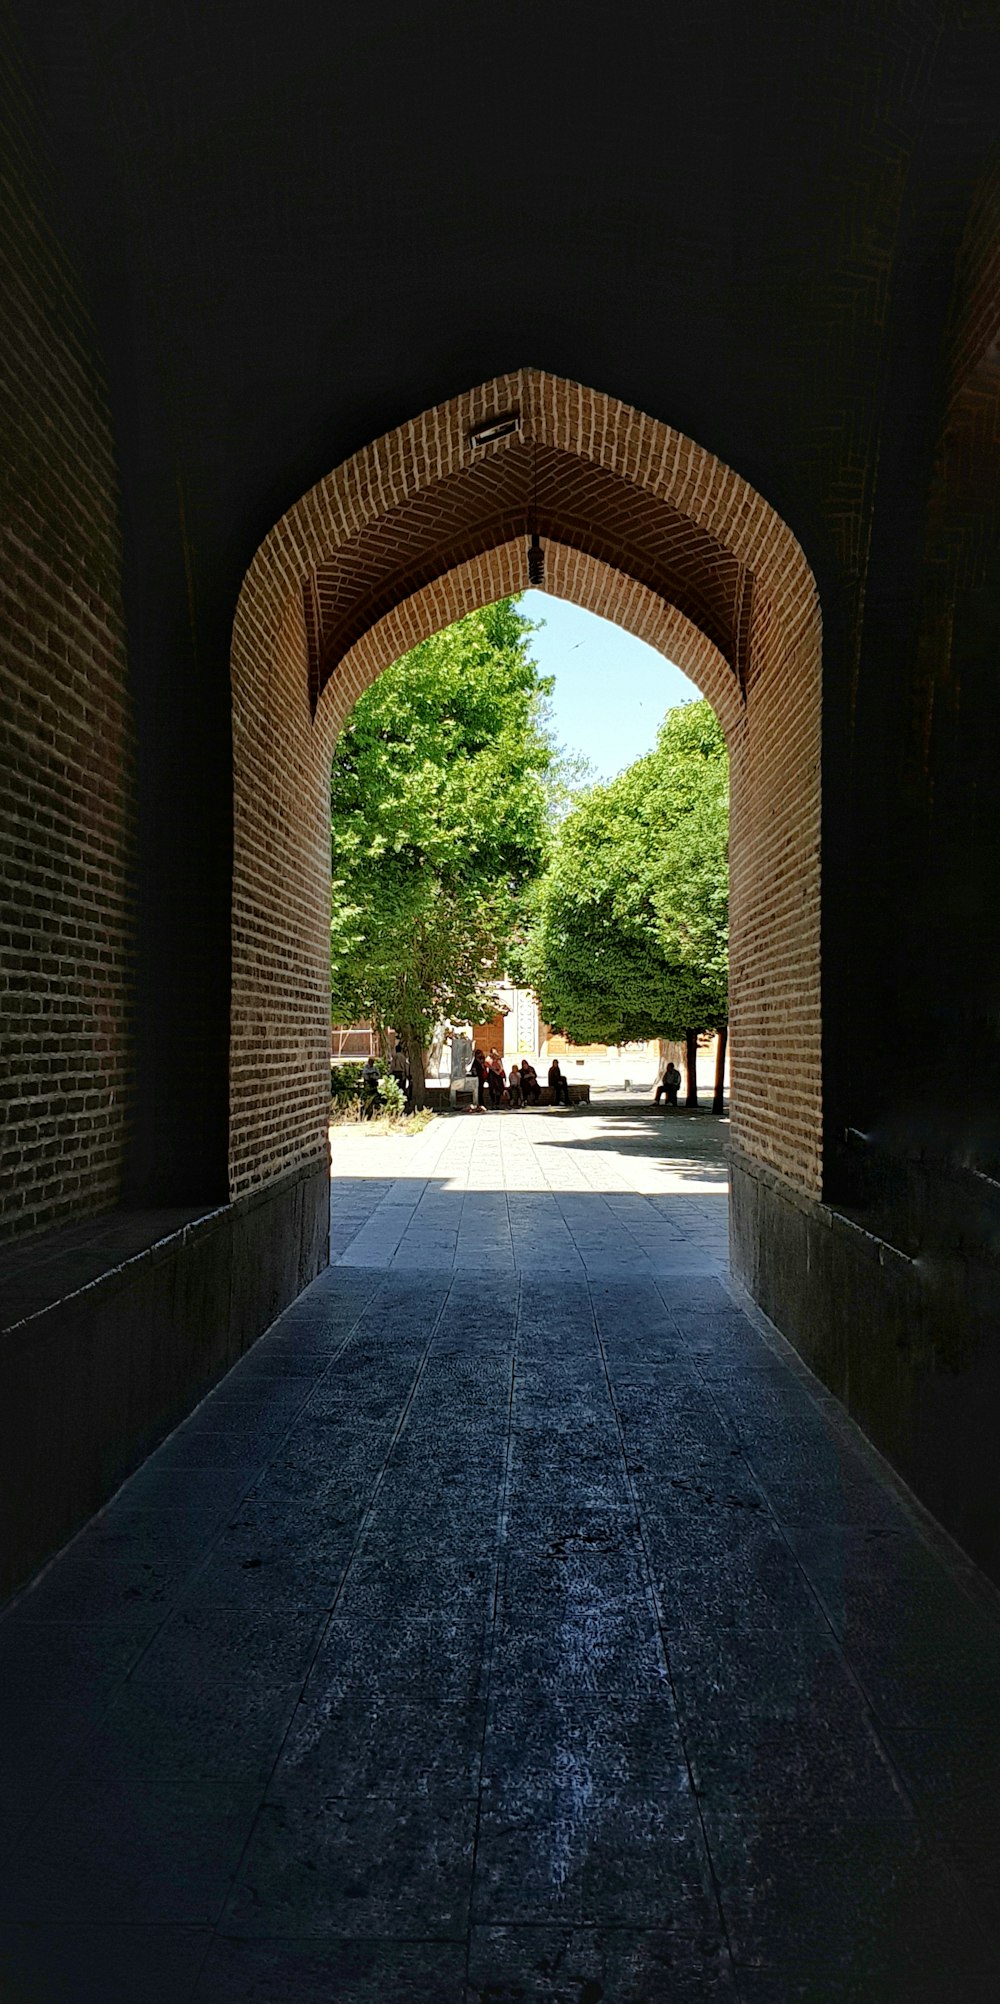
[569, 1193]
[515, 1622]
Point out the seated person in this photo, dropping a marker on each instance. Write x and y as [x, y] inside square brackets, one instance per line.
[530, 1088]
[558, 1088]
[496, 1079]
[670, 1084]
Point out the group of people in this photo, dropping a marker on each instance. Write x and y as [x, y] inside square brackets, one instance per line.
[521, 1088]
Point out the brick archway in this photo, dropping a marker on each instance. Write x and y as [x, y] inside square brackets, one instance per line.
[640, 525]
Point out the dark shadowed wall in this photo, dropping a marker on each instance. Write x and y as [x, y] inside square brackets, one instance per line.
[67, 815]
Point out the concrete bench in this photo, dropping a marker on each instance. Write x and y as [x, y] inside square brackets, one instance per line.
[439, 1097]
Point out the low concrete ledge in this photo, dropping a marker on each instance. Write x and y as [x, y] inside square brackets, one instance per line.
[909, 1344]
[579, 1095]
[113, 1329]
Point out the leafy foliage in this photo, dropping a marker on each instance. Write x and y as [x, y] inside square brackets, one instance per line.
[439, 821]
[393, 1097]
[630, 930]
[345, 1083]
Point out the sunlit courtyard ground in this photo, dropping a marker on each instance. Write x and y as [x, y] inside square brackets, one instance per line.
[622, 1189]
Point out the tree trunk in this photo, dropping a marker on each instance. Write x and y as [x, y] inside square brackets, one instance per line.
[719, 1099]
[436, 1051]
[416, 1063]
[691, 1066]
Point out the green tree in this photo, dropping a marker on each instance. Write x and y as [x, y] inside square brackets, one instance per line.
[630, 931]
[439, 822]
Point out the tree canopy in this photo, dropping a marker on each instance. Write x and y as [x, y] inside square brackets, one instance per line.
[630, 931]
[439, 822]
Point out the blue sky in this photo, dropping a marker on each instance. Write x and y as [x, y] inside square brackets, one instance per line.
[611, 690]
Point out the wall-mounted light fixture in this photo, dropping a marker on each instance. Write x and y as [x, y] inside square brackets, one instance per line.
[491, 429]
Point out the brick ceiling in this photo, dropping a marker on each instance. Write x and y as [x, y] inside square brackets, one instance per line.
[578, 504]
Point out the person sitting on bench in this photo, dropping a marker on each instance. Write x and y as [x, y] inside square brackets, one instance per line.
[558, 1088]
[670, 1084]
[530, 1088]
[496, 1079]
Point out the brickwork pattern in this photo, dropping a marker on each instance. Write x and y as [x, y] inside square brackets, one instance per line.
[66, 821]
[640, 525]
[975, 328]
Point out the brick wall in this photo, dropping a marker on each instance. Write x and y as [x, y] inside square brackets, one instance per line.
[65, 821]
[640, 525]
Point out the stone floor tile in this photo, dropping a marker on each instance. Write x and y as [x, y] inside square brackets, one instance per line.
[293, 1971]
[202, 1646]
[965, 1981]
[915, 1684]
[435, 1657]
[917, 1605]
[215, 1448]
[572, 1530]
[840, 1895]
[695, 1489]
[858, 1551]
[750, 1587]
[373, 1742]
[769, 1672]
[425, 1533]
[813, 1496]
[544, 1752]
[293, 1355]
[87, 1964]
[570, 1965]
[623, 1865]
[184, 1492]
[809, 1765]
[373, 1867]
[51, 1666]
[258, 1423]
[116, 1851]
[251, 1573]
[210, 1731]
[554, 1586]
[953, 1777]
[707, 1540]
[115, 1568]
[268, 1524]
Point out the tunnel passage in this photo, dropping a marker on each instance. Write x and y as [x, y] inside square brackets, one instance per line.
[829, 329]
[637, 524]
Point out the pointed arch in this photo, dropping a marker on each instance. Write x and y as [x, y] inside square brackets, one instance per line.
[639, 524]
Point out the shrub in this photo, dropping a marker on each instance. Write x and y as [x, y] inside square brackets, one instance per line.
[345, 1085]
[393, 1098]
[345, 1091]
